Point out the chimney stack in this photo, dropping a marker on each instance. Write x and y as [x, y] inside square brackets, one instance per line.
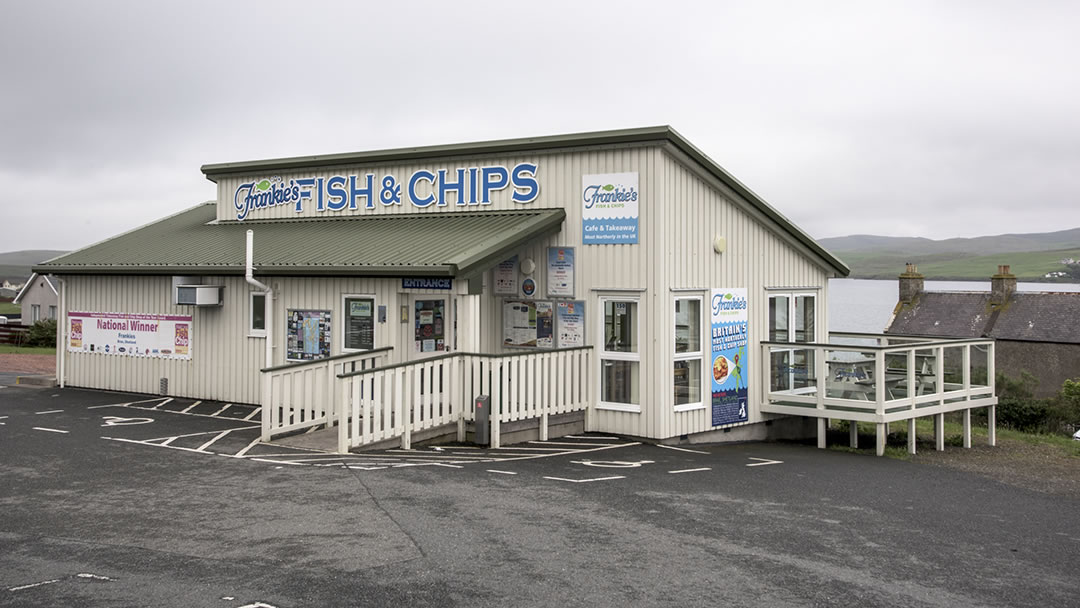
[911, 284]
[1002, 285]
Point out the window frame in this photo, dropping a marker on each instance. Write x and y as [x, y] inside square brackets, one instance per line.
[699, 354]
[793, 296]
[35, 313]
[252, 332]
[604, 354]
[345, 321]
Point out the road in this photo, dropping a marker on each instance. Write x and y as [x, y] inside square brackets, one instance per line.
[119, 500]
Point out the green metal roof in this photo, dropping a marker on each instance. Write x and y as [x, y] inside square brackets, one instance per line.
[429, 244]
[645, 135]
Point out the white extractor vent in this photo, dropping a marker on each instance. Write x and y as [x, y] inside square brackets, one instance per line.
[200, 295]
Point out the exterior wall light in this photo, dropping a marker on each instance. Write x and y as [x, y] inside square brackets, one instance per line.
[719, 244]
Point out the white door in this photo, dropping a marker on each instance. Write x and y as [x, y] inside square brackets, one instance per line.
[431, 325]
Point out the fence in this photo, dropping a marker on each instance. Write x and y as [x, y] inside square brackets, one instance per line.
[14, 334]
[297, 396]
[398, 400]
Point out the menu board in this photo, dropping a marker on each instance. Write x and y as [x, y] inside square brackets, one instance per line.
[308, 335]
[570, 322]
[543, 324]
[519, 323]
[359, 323]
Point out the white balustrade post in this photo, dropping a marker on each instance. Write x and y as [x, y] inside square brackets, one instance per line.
[343, 418]
[853, 434]
[911, 436]
[967, 428]
[267, 405]
[939, 432]
[880, 438]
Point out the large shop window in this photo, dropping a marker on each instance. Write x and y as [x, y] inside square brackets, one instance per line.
[257, 309]
[620, 360]
[792, 319]
[359, 326]
[687, 367]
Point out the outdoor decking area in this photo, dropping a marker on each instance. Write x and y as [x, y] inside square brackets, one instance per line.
[881, 379]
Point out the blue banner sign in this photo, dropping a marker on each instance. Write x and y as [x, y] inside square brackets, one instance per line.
[467, 186]
[729, 341]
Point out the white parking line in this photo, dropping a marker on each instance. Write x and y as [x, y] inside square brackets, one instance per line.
[763, 462]
[671, 447]
[690, 470]
[32, 585]
[227, 406]
[127, 403]
[189, 408]
[41, 428]
[501, 472]
[586, 480]
[202, 448]
[569, 452]
[570, 443]
[169, 400]
[448, 465]
[254, 443]
[48, 412]
[587, 437]
[252, 414]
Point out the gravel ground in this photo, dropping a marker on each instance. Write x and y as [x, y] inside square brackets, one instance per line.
[28, 364]
[1043, 468]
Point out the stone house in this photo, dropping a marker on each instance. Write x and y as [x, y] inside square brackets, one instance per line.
[1036, 332]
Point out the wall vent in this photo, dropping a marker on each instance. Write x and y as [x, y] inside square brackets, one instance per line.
[163, 386]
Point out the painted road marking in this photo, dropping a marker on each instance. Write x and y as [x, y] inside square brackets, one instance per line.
[254, 443]
[585, 480]
[96, 577]
[125, 404]
[448, 465]
[169, 400]
[764, 462]
[202, 448]
[569, 443]
[41, 428]
[189, 408]
[690, 470]
[587, 437]
[2, 418]
[671, 447]
[48, 412]
[120, 421]
[222, 410]
[32, 585]
[501, 472]
[252, 414]
[612, 464]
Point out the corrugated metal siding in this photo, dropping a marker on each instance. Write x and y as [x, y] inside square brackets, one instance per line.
[224, 363]
[682, 209]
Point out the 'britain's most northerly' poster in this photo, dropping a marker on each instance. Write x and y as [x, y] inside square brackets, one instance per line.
[728, 344]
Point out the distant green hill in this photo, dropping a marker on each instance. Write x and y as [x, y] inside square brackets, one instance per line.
[15, 265]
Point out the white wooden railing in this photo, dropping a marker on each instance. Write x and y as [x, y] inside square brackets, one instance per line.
[302, 395]
[395, 401]
[877, 378]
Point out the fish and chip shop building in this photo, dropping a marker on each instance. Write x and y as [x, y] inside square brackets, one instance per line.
[617, 281]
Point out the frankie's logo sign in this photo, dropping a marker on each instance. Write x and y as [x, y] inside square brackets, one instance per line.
[459, 187]
[609, 209]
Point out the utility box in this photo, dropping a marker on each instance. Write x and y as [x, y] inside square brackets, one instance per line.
[482, 420]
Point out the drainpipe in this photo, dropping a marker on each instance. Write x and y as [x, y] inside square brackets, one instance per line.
[61, 332]
[249, 269]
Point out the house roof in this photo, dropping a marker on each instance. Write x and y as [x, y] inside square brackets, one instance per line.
[659, 134]
[31, 282]
[437, 244]
[1026, 316]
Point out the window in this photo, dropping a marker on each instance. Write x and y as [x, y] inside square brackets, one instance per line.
[620, 359]
[257, 327]
[687, 366]
[52, 312]
[358, 330]
[792, 319]
[35, 313]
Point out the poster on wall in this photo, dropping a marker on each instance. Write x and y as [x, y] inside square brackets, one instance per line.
[729, 343]
[429, 326]
[560, 272]
[519, 323]
[131, 334]
[506, 277]
[609, 208]
[308, 335]
[359, 323]
[545, 325]
[570, 323]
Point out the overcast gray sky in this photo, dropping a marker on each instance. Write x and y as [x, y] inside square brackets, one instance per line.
[907, 118]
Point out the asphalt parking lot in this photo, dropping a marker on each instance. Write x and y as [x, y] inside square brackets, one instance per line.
[125, 500]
